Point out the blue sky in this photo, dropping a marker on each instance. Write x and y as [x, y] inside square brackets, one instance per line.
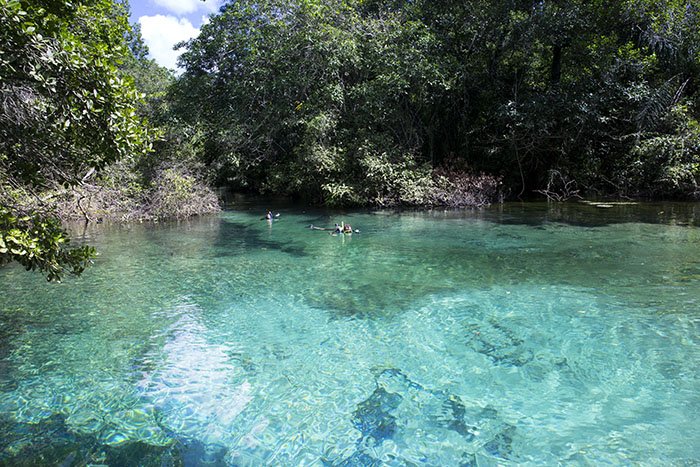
[164, 23]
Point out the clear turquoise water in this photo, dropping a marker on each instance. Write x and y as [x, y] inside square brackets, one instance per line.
[518, 334]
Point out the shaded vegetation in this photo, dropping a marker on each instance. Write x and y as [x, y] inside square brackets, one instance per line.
[357, 102]
[77, 92]
[340, 102]
[66, 114]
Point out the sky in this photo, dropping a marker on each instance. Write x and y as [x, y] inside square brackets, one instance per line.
[164, 23]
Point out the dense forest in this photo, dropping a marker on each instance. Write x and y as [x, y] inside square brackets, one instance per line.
[342, 103]
[370, 101]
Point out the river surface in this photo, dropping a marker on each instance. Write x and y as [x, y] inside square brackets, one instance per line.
[516, 334]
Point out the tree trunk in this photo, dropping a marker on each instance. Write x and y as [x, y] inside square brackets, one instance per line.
[555, 75]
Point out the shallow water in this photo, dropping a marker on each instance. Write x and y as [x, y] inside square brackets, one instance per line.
[523, 334]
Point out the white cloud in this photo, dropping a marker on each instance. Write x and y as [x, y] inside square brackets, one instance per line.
[213, 5]
[161, 33]
[183, 7]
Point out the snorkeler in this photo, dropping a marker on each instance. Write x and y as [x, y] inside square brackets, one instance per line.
[341, 228]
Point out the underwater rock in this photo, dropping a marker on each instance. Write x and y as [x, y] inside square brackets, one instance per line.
[405, 411]
[137, 453]
[468, 460]
[456, 422]
[68, 461]
[502, 444]
[51, 442]
[373, 416]
[499, 344]
[393, 376]
[193, 453]
[359, 459]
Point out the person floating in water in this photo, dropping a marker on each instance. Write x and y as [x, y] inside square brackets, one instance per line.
[268, 216]
[337, 229]
[344, 228]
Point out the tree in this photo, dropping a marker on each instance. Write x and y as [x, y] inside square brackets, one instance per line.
[363, 101]
[67, 113]
[323, 99]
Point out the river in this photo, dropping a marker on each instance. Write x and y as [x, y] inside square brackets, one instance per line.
[515, 334]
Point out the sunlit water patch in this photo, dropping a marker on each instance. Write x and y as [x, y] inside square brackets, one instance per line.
[503, 336]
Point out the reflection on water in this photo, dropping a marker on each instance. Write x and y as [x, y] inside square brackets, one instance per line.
[192, 384]
[516, 334]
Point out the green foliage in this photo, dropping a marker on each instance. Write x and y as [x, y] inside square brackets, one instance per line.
[288, 91]
[66, 107]
[67, 112]
[384, 102]
[152, 82]
[389, 181]
[669, 163]
[177, 193]
[38, 243]
[348, 102]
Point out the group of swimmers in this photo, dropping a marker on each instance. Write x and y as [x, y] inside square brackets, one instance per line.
[343, 228]
[338, 229]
